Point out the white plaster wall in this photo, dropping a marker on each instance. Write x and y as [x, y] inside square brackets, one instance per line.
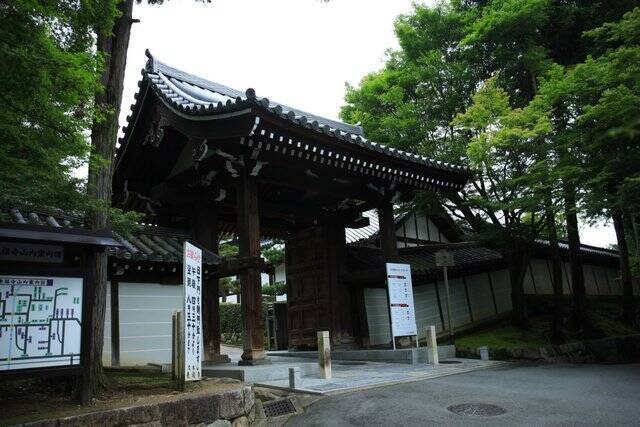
[145, 323]
[423, 231]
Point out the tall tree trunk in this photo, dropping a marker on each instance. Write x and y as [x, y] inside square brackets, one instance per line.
[556, 261]
[518, 257]
[579, 318]
[628, 303]
[103, 142]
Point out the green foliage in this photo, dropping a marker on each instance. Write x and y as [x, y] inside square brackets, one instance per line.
[228, 249]
[278, 288]
[48, 79]
[230, 318]
[229, 286]
[273, 252]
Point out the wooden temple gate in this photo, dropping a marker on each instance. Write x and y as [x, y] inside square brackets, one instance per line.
[198, 155]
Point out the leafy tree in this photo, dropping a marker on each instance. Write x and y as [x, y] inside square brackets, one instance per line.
[505, 151]
[47, 82]
[605, 91]
[516, 44]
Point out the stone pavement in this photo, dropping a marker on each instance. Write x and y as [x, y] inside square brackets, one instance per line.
[351, 376]
[532, 394]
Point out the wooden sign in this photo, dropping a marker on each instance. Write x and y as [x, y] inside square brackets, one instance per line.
[444, 258]
[29, 252]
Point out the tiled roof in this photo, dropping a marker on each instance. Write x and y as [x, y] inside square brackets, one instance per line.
[194, 96]
[585, 249]
[147, 244]
[422, 258]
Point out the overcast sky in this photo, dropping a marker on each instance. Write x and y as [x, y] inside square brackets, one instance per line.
[297, 52]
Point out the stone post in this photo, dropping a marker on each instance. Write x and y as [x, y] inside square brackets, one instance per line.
[294, 377]
[432, 345]
[324, 354]
[484, 353]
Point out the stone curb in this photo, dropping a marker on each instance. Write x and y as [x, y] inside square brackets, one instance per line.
[605, 350]
[230, 405]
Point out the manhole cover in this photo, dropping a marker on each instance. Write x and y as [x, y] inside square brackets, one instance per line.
[279, 407]
[351, 363]
[449, 362]
[477, 410]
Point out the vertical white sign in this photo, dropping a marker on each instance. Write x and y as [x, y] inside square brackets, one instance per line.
[192, 312]
[403, 316]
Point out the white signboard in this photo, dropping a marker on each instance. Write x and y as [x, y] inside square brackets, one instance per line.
[192, 312]
[403, 317]
[40, 322]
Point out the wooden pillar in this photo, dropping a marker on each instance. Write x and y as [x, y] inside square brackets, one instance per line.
[115, 323]
[250, 282]
[388, 240]
[205, 233]
[340, 294]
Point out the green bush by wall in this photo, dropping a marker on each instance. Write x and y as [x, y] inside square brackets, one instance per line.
[230, 318]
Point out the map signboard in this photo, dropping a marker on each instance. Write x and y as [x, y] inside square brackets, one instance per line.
[403, 318]
[40, 321]
[192, 263]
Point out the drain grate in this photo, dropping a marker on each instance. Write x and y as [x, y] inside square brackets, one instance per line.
[449, 362]
[477, 410]
[349, 363]
[279, 407]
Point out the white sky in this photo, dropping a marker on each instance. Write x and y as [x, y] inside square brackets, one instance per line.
[298, 52]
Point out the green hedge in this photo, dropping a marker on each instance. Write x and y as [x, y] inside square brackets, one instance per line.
[230, 318]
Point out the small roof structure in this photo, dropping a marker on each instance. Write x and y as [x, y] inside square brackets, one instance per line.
[46, 228]
[148, 244]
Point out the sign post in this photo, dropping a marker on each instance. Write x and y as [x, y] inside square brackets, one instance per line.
[444, 259]
[191, 368]
[403, 316]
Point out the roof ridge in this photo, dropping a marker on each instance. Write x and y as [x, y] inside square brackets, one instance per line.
[154, 65]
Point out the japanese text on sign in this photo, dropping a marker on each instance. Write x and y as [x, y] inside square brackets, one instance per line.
[192, 312]
[403, 318]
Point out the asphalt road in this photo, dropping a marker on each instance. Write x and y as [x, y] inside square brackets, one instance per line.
[531, 394]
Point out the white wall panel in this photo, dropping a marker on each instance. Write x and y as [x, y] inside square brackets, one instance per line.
[480, 296]
[502, 289]
[528, 281]
[145, 323]
[426, 305]
[377, 308]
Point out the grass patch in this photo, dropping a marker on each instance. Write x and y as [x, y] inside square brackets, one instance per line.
[604, 314]
[139, 380]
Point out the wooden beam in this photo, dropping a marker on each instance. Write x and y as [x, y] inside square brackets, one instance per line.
[250, 282]
[115, 323]
[235, 266]
[388, 239]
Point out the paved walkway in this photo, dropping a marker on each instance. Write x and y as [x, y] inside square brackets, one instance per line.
[532, 395]
[349, 375]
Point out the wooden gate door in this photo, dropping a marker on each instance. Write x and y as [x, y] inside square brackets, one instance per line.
[308, 294]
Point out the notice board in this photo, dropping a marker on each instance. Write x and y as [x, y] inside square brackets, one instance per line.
[40, 321]
[403, 317]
